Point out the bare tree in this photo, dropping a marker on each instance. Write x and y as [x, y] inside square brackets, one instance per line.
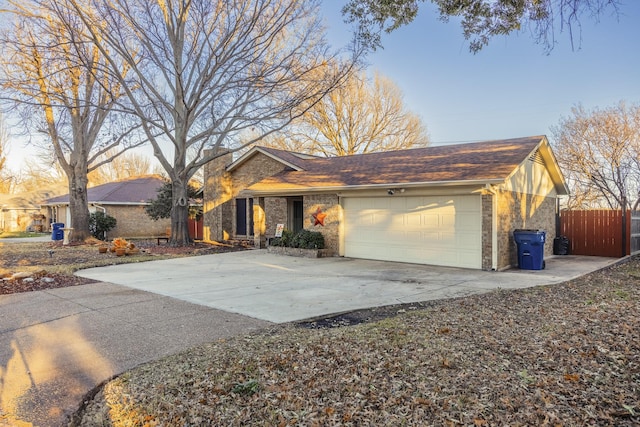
[599, 151]
[7, 179]
[51, 73]
[127, 165]
[37, 176]
[361, 116]
[211, 75]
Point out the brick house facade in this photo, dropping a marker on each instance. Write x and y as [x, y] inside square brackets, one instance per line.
[503, 186]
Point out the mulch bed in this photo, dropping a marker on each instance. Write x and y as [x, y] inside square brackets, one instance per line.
[40, 260]
[41, 281]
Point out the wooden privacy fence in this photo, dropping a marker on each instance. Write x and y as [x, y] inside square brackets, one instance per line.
[195, 229]
[600, 232]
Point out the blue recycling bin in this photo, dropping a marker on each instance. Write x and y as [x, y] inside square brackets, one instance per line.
[57, 232]
[530, 249]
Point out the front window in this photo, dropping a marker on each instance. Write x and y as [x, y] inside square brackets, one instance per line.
[244, 217]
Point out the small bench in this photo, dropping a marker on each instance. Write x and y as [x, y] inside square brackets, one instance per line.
[164, 238]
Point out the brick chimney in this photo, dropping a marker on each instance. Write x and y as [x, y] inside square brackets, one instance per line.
[218, 189]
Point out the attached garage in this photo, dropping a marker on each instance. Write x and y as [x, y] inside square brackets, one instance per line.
[450, 205]
[435, 230]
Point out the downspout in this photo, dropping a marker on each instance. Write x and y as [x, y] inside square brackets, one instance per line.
[558, 219]
[494, 226]
[104, 210]
[341, 228]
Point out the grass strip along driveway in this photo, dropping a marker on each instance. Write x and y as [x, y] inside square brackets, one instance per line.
[566, 354]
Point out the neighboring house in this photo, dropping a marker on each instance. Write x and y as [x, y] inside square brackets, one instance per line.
[454, 205]
[124, 200]
[19, 213]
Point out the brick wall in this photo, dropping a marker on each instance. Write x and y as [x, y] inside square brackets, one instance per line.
[221, 187]
[523, 211]
[276, 212]
[132, 221]
[487, 231]
[328, 204]
[217, 190]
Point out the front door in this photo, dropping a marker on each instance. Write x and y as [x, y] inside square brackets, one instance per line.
[296, 215]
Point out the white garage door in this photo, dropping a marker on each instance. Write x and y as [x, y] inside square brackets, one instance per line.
[436, 230]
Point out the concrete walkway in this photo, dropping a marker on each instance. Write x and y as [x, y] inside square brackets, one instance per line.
[57, 345]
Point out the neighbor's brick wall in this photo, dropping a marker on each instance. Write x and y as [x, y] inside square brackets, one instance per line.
[524, 211]
[487, 226]
[221, 187]
[133, 221]
[330, 205]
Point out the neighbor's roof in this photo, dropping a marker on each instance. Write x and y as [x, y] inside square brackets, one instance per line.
[137, 190]
[487, 162]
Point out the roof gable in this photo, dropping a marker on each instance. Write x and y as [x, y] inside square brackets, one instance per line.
[292, 160]
[136, 190]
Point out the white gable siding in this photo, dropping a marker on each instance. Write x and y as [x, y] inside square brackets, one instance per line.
[531, 177]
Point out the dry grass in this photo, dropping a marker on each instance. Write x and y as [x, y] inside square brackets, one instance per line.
[56, 258]
[51, 264]
[565, 354]
[67, 259]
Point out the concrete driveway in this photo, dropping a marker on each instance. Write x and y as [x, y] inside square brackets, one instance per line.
[58, 344]
[282, 289]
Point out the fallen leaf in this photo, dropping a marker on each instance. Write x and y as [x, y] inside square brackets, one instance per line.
[571, 377]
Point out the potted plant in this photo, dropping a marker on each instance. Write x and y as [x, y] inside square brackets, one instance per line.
[131, 249]
[119, 246]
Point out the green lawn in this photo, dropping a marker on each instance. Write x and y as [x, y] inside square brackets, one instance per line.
[7, 234]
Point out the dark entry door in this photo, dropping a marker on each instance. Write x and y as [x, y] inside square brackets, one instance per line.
[244, 217]
[297, 216]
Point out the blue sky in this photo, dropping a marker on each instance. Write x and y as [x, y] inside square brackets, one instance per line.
[511, 88]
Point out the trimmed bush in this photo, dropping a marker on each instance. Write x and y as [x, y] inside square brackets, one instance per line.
[285, 240]
[304, 239]
[100, 223]
[307, 239]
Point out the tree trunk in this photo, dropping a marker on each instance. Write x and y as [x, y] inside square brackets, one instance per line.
[78, 207]
[179, 214]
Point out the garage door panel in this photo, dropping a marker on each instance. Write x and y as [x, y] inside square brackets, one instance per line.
[466, 221]
[428, 230]
[463, 240]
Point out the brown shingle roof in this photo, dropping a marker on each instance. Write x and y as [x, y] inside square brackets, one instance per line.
[291, 159]
[298, 159]
[129, 191]
[481, 161]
